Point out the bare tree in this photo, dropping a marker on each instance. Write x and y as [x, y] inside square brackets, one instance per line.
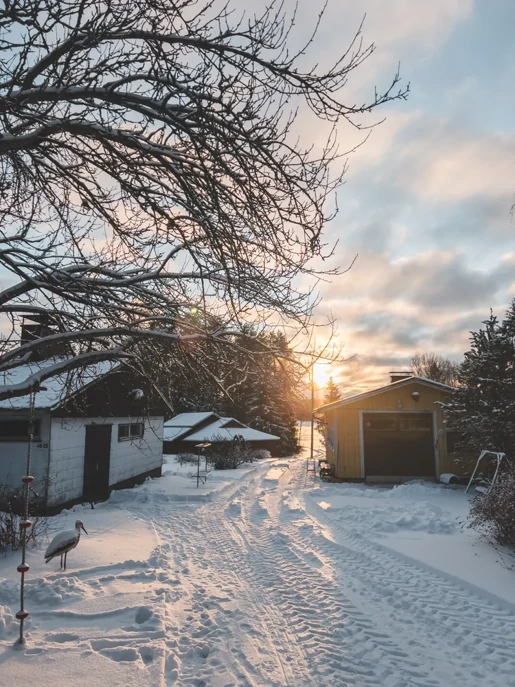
[148, 168]
[435, 367]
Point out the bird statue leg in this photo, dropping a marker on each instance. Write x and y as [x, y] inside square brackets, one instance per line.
[61, 562]
[65, 559]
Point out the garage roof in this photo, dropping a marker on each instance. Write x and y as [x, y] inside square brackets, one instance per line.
[403, 382]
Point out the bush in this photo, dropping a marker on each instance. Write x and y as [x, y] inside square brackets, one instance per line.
[228, 455]
[11, 516]
[186, 459]
[493, 513]
[260, 454]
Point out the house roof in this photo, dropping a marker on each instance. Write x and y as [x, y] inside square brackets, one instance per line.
[214, 432]
[54, 389]
[183, 427]
[182, 424]
[394, 385]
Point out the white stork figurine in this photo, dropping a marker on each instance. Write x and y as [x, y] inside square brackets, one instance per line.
[63, 542]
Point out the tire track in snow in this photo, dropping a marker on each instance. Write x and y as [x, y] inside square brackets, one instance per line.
[202, 549]
[259, 616]
[343, 645]
[467, 635]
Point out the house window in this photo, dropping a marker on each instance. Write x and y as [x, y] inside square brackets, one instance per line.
[133, 431]
[18, 430]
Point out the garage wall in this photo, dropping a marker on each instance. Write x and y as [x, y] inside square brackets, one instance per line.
[396, 399]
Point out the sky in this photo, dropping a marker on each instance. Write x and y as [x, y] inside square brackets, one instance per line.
[426, 205]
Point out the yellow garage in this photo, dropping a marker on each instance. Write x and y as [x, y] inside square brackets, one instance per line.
[391, 434]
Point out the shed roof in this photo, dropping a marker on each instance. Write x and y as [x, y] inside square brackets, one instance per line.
[374, 392]
[54, 389]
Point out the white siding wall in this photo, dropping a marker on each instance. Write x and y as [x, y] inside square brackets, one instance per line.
[13, 454]
[131, 458]
[128, 458]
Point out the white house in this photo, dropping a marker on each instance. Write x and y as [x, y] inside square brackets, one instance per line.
[103, 431]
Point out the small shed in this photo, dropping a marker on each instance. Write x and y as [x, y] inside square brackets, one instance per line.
[391, 434]
[99, 430]
[183, 432]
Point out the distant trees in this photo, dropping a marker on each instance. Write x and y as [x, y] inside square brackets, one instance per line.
[252, 377]
[435, 367]
[332, 392]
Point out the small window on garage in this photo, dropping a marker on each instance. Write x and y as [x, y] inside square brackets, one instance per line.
[381, 424]
[18, 430]
[421, 423]
[130, 431]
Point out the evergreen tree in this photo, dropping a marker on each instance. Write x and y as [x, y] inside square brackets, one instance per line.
[332, 392]
[246, 377]
[264, 388]
[482, 408]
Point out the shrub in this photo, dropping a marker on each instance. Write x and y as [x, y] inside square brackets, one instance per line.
[11, 516]
[228, 455]
[186, 458]
[260, 454]
[493, 514]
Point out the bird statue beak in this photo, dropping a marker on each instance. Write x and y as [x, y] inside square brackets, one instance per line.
[84, 529]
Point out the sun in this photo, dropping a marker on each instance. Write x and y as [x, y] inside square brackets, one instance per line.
[322, 372]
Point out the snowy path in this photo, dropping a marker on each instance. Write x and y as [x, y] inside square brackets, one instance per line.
[262, 587]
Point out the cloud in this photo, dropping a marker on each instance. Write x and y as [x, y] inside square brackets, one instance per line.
[435, 279]
[388, 309]
[446, 163]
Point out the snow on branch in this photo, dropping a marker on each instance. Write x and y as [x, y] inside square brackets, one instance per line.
[149, 169]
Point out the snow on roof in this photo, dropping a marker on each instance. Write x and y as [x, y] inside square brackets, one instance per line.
[215, 432]
[54, 389]
[181, 424]
[171, 433]
[187, 419]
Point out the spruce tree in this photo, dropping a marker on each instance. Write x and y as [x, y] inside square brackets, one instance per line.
[482, 408]
[332, 392]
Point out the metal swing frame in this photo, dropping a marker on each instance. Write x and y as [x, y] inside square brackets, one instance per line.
[499, 456]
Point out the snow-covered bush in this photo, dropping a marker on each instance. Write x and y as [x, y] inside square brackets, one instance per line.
[228, 455]
[493, 513]
[260, 454]
[186, 458]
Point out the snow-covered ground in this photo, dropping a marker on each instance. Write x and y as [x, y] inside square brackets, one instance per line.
[266, 577]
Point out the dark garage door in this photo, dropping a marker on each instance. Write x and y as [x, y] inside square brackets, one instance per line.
[399, 444]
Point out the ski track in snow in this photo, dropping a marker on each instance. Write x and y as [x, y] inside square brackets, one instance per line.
[261, 586]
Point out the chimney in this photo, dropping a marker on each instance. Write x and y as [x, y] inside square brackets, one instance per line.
[398, 376]
[37, 326]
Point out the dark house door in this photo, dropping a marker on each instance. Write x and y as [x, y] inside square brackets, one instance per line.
[399, 444]
[97, 455]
